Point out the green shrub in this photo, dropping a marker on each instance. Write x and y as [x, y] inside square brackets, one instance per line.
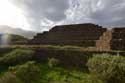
[27, 73]
[9, 77]
[60, 75]
[17, 56]
[32, 72]
[110, 69]
[53, 62]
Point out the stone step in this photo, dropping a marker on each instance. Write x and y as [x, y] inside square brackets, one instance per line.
[103, 43]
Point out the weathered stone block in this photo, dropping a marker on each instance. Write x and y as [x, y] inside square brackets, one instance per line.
[84, 35]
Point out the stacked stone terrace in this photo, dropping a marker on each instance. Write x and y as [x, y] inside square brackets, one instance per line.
[112, 40]
[84, 35]
[118, 39]
[103, 44]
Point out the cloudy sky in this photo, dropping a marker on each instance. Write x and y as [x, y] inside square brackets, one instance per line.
[40, 15]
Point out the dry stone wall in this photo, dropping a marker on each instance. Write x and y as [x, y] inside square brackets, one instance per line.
[84, 35]
[103, 44]
[118, 39]
[112, 40]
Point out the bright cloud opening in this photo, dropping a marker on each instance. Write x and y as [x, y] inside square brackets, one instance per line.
[12, 16]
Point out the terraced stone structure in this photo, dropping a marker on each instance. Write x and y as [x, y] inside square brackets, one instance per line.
[84, 35]
[112, 40]
[118, 39]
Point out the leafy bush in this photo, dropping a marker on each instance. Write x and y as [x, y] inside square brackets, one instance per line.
[62, 75]
[71, 77]
[53, 62]
[17, 56]
[9, 77]
[26, 73]
[32, 72]
[110, 69]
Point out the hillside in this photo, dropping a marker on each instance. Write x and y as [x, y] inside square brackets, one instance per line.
[12, 39]
[17, 31]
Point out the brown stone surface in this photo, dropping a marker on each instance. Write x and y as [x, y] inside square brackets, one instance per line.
[118, 39]
[84, 35]
[112, 40]
[119, 29]
[103, 44]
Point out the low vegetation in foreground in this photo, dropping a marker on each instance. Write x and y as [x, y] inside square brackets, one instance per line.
[19, 66]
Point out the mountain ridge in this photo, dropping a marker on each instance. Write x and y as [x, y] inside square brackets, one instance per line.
[4, 29]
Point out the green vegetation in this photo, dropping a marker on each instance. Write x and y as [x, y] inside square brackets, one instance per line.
[17, 56]
[53, 62]
[55, 47]
[26, 73]
[110, 69]
[32, 72]
[18, 66]
[14, 37]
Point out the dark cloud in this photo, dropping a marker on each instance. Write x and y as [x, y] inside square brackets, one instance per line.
[36, 10]
[51, 9]
[45, 13]
[112, 13]
[103, 12]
